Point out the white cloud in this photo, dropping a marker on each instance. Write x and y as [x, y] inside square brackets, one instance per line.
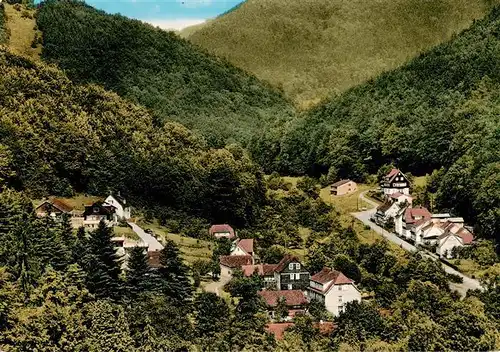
[176, 24]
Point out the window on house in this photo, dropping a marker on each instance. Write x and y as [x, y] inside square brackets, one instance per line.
[297, 266]
[290, 266]
[340, 288]
[340, 298]
[297, 276]
[290, 287]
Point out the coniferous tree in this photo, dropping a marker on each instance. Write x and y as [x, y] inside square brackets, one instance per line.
[103, 264]
[211, 314]
[81, 247]
[174, 274]
[139, 274]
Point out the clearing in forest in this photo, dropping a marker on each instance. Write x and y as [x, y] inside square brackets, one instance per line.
[21, 24]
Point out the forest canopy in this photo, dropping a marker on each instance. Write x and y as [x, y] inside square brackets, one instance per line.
[174, 79]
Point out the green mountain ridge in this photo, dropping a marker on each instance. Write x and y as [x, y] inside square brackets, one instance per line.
[158, 70]
[442, 109]
[315, 48]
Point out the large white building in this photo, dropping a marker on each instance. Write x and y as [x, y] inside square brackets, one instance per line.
[334, 289]
[122, 211]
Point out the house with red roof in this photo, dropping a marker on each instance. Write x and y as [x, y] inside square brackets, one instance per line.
[334, 289]
[222, 230]
[406, 220]
[395, 182]
[454, 236]
[266, 271]
[243, 247]
[55, 208]
[291, 274]
[295, 301]
[230, 263]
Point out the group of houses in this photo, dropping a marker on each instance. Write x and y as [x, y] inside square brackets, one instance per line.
[289, 280]
[111, 210]
[438, 232]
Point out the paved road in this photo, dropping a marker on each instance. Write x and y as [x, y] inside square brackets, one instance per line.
[153, 244]
[217, 285]
[364, 217]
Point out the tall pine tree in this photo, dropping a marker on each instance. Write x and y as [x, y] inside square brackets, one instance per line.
[140, 277]
[103, 264]
[174, 274]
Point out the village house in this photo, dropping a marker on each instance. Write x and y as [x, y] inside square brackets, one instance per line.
[98, 211]
[334, 289]
[455, 236]
[55, 208]
[221, 230]
[395, 182]
[342, 187]
[394, 206]
[295, 300]
[121, 209]
[230, 263]
[266, 271]
[405, 220]
[290, 274]
[242, 247]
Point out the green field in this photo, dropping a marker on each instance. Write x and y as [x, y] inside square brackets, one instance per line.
[191, 248]
[122, 231]
[314, 48]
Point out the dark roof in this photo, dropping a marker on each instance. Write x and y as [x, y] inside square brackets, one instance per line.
[384, 207]
[58, 204]
[284, 262]
[260, 269]
[246, 245]
[292, 297]
[326, 275]
[340, 183]
[221, 228]
[235, 261]
[154, 259]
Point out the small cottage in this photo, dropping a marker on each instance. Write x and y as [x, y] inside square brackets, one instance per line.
[121, 209]
[221, 230]
[342, 187]
[295, 300]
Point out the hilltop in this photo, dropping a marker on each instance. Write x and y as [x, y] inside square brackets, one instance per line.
[171, 77]
[440, 110]
[312, 49]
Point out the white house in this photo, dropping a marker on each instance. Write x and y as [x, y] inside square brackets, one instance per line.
[334, 289]
[454, 235]
[242, 247]
[121, 209]
[412, 217]
[395, 182]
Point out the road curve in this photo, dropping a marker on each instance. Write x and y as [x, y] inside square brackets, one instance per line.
[364, 217]
[217, 285]
[153, 244]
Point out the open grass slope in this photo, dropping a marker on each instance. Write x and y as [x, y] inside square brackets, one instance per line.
[159, 70]
[21, 26]
[313, 48]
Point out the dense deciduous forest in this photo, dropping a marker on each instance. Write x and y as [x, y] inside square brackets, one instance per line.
[439, 110]
[60, 138]
[159, 70]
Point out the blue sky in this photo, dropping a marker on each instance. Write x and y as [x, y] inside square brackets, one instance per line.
[168, 14]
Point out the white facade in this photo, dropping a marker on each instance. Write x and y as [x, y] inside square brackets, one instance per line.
[238, 251]
[389, 191]
[336, 297]
[446, 245]
[121, 210]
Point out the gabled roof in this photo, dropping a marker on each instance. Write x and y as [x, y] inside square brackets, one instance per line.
[288, 258]
[455, 229]
[340, 183]
[396, 195]
[221, 228]
[326, 275]
[235, 261]
[292, 297]
[246, 245]
[121, 200]
[392, 173]
[58, 204]
[384, 207]
[419, 212]
[260, 269]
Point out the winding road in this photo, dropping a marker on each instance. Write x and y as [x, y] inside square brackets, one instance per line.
[153, 244]
[364, 217]
[217, 285]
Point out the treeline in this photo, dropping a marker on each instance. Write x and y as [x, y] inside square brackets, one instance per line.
[439, 110]
[168, 75]
[3, 26]
[58, 138]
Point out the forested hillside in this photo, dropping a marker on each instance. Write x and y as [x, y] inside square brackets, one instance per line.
[58, 138]
[157, 69]
[440, 110]
[3, 32]
[313, 48]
